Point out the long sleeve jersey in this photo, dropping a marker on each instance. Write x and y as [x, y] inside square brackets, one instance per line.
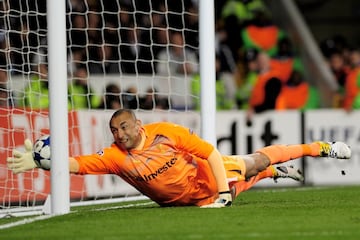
[171, 168]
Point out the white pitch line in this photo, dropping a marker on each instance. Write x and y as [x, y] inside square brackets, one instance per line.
[42, 217]
[124, 206]
[25, 221]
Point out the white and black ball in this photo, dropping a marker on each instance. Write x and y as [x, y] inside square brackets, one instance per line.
[42, 153]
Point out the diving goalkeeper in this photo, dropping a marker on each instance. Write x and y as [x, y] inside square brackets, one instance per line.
[174, 167]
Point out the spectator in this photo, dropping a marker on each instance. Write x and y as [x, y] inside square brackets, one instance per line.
[355, 58]
[336, 43]
[159, 32]
[285, 60]
[135, 50]
[22, 45]
[176, 58]
[76, 60]
[81, 95]
[111, 99]
[3, 71]
[223, 102]
[36, 94]
[262, 34]
[223, 51]
[352, 83]
[152, 100]
[235, 15]
[130, 99]
[104, 60]
[95, 26]
[77, 5]
[248, 80]
[6, 98]
[267, 88]
[340, 70]
[265, 95]
[192, 27]
[78, 33]
[298, 94]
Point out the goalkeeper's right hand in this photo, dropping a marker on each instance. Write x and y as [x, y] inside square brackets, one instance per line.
[22, 161]
[224, 200]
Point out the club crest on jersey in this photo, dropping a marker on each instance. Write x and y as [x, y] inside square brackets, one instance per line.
[100, 152]
[191, 131]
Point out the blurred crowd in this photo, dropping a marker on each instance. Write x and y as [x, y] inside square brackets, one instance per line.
[257, 66]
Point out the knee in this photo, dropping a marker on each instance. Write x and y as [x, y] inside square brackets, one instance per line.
[256, 163]
[261, 164]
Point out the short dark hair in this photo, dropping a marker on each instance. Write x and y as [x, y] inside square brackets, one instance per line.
[122, 111]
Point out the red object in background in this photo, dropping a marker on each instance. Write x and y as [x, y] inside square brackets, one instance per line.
[28, 188]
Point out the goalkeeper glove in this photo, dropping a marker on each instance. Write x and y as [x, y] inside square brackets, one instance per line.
[22, 161]
[224, 200]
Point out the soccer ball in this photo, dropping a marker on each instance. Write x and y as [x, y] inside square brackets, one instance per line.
[41, 152]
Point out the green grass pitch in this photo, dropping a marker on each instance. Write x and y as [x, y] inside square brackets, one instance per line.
[276, 213]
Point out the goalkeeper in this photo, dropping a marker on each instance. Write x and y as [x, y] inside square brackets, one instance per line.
[174, 167]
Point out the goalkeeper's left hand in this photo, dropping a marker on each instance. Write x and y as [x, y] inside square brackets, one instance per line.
[22, 161]
[224, 200]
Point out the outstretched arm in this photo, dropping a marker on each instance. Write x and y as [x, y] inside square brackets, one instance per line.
[24, 161]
